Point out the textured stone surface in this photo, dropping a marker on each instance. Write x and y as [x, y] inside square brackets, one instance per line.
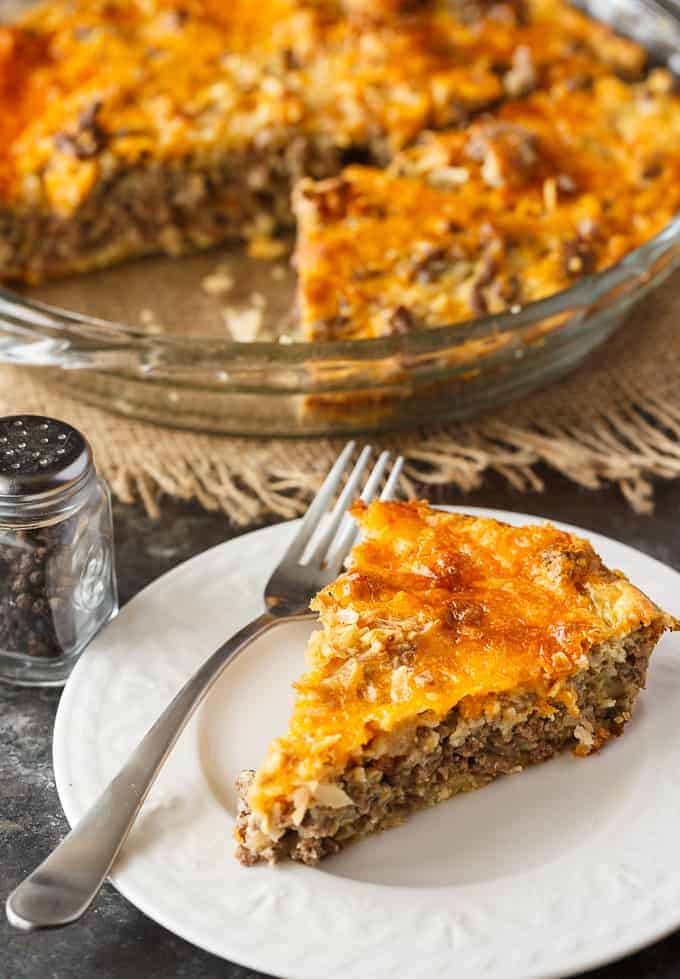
[114, 940]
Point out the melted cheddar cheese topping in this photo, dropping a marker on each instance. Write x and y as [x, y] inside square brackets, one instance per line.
[511, 209]
[87, 86]
[437, 610]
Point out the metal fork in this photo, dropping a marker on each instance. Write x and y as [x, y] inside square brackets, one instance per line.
[61, 889]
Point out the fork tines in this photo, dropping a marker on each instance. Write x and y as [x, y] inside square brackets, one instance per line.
[331, 535]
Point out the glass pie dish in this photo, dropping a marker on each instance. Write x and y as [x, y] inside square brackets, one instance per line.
[153, 339]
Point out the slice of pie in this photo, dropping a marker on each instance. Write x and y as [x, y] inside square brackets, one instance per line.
[452, 650]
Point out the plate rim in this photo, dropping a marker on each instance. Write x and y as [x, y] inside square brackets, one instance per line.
[642, 936]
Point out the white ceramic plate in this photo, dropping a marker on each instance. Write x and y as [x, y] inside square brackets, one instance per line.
[566, 866]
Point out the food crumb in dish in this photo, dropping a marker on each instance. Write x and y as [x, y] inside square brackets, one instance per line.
[279, 273]
[218, 282]
[265, 247]
[258, 300]
[148, 319]
[243, 324]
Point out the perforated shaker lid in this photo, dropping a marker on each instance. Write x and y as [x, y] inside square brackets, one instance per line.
[41, 456]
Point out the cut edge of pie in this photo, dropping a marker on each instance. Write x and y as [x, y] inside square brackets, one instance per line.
[453, 649]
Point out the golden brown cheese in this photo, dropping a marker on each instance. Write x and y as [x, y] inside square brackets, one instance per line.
[158, 80]
[511, 209]
[438, 610]
[90, 85]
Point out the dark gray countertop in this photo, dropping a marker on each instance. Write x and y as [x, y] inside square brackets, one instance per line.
[114, 940]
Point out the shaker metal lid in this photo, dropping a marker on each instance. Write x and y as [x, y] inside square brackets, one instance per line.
[40, 455]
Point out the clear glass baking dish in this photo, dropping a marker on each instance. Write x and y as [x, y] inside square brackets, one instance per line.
[146, 340]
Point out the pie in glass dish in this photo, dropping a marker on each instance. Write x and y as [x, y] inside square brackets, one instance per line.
[129, 127]
[452, 650]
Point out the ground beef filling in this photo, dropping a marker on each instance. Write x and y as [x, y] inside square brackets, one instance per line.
[441, 762]
[175, 208]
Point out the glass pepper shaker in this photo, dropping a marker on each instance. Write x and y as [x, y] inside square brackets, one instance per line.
[57, 577]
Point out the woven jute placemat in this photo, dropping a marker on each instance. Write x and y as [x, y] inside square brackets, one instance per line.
[617, 419]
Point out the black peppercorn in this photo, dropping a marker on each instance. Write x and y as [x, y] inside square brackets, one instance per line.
[55, 538]
[25, 615]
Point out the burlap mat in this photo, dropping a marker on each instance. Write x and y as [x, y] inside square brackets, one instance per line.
[617, 419]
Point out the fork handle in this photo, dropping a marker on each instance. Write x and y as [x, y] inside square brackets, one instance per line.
[61, 889]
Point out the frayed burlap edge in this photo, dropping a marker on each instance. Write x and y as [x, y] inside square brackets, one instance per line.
[617, 420]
